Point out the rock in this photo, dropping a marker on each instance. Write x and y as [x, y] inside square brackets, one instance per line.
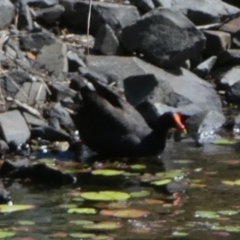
[165, 37]
[61, 114]
[54, 57]
[106, 41]
[12, 80]
[217, 42]
[3, 147]
[4, 196]
[32, 93]
[143, 6]
[204, 68]
[162, 3]
[203, 12]
[60, 91]
[42, 3]
[49, 15]
[202, 127]
[197, 92]
[10, 131]
[115, 15]
[24, 17]
[74, 62]
[229, 57]
[232, 93]
[229, 76]
[232, 26]
[7, 12]
[48, 133]
[34, 121]
[36, 41]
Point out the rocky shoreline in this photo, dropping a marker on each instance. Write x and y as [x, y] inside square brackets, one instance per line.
[175, 55]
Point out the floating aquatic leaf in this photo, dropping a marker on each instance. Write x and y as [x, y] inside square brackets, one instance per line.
[137, 166]
[6, 234]
[4, 208]
[82, 210]
[224, 141]
[207, 214]
[170, 174]
[161, 182]
[180, 234]
[232, 183]
[232, 228]
[82, 235]
[81, 222]
[107, 172]
[68, 205]
[24, 222]
[183, 161]
[125, 213]
[105, 196]
[131, 174]
[153, 201]
[228, 212]
[106, 225]
[142, 193]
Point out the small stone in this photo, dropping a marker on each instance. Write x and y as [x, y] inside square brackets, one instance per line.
[7, 12]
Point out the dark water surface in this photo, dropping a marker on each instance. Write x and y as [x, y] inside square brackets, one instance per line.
[172, 209]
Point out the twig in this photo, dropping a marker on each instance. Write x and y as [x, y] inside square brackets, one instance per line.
[88, 24]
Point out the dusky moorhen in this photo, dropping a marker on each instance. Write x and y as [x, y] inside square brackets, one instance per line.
[112, 127]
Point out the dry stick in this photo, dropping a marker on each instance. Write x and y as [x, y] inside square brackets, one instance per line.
[88, 24]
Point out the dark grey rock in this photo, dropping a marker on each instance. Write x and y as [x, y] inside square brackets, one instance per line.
[49, 15]
[24, 17]
[74, 62]
[49, 133]
[106, 41]
[233, 93]
[42, 3]
[12, 81]
[10, 131]
[162, 3]
[203, 12]
[60, 91]
[143, 5]
[32, 93]
[35, 41]
[202, 127]
[7, 12]
[204, 68]
[217, 42]
[197, 92]
[115, 15]
[33, 120]
[165, 37]
[229, 57]
[54, 57]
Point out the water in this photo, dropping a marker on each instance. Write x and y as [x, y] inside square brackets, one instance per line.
[172, 209]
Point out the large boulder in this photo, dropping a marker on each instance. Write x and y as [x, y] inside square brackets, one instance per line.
[202, 12]
[7, 12]
[115, 15]
[165, 37]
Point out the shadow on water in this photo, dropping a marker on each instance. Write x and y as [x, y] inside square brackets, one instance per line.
[201, 202]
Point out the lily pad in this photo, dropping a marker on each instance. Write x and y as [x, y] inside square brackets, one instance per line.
[228, 212]
[82, 210]
[81, 222]
[105, 196]
[224, 141]
[4, 208]
[232, 183]
[207, 214]
[232, 228]
[6, 234]
[106, 225]
[24, 222]
[137, 166]
[125, 213]
[180, 234]
[82, 235]
[170, 174]
[142, 193]
[107, 172]
[161, 182]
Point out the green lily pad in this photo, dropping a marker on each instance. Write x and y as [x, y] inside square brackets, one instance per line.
[137, 166]
[207, 214]
[170, 174]
[106, 225]
[180, 234]
[125, 213]
[142, 193]
[82, 235]
[81, 222]
[82, 210]
[6, 234]
[228, 212]
[183, 161]
[232, 183]
[68, 205]
[224, 141]
[4, 208]
[105, 196]
[24, 223]
[161, 182]
[107, 172]
[232, 228]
